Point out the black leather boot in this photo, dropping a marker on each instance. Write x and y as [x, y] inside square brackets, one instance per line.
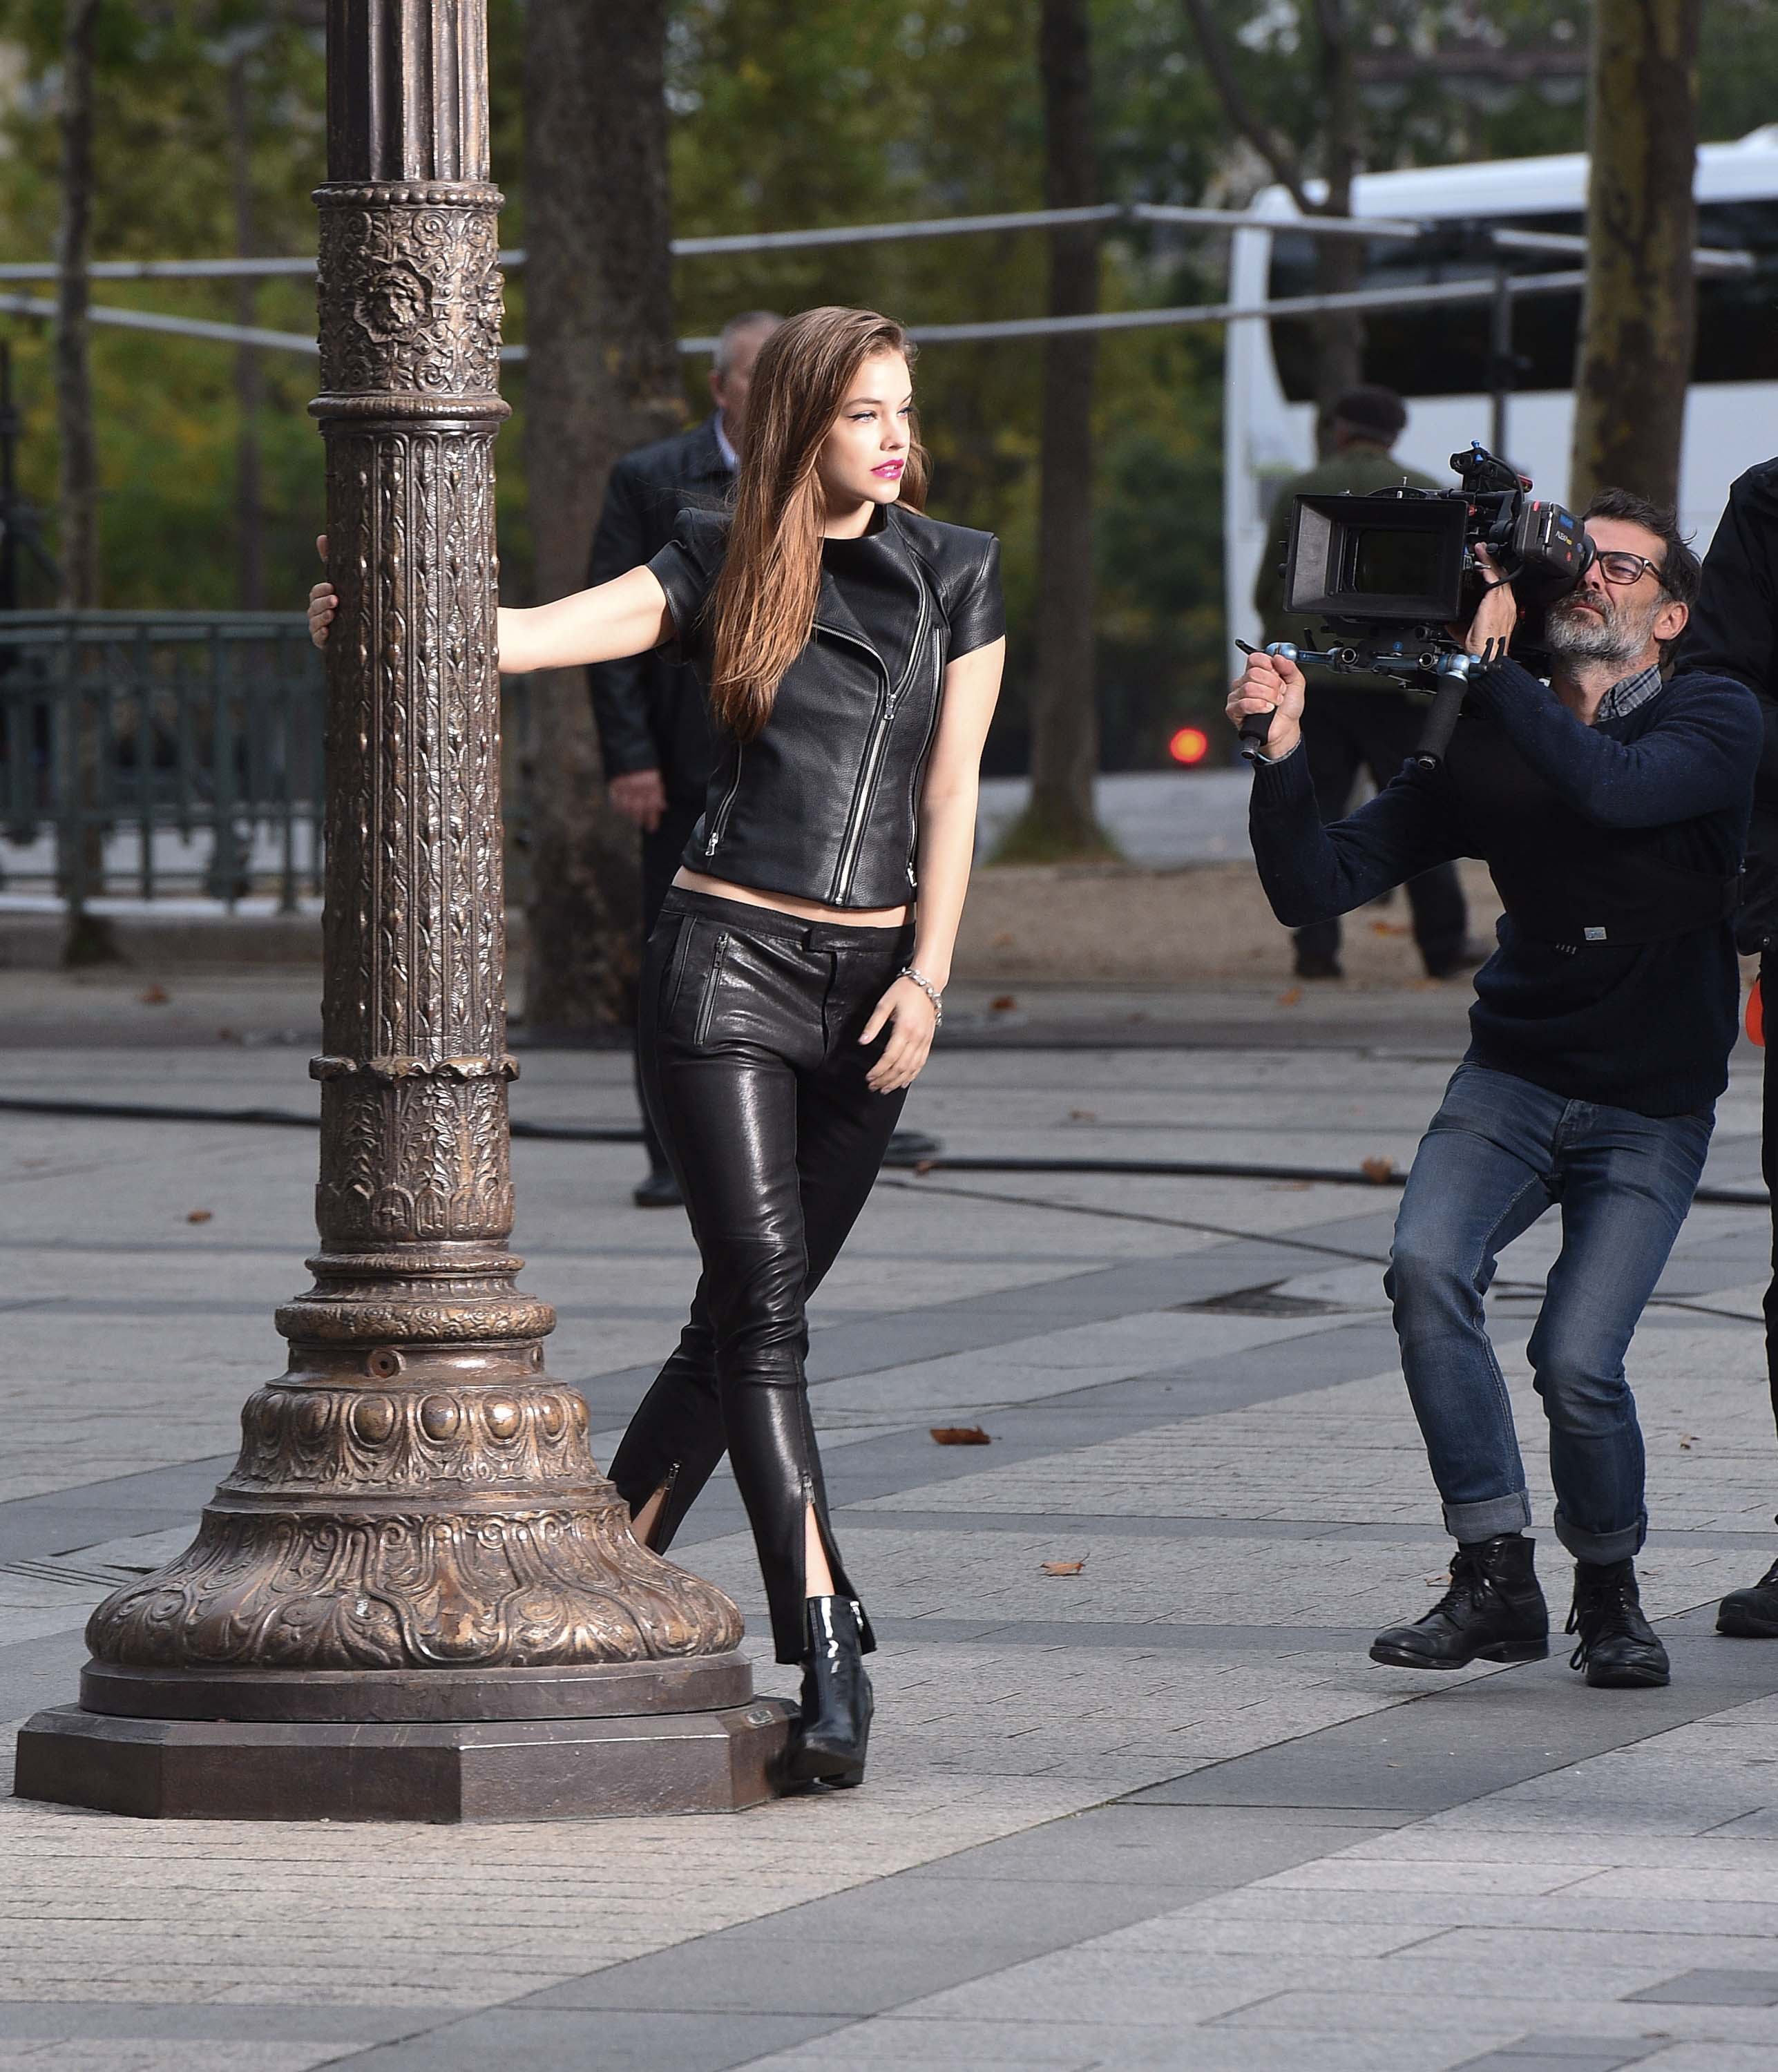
[1617, 1647]
[1493, 1612]
[1751, 1614]
[828, 1742]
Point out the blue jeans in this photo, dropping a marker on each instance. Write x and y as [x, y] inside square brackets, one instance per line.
[1499, 1153]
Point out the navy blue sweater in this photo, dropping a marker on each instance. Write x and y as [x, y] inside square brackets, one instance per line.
[1644, 1025]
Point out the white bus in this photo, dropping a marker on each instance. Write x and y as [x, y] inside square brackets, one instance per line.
[1436, 355]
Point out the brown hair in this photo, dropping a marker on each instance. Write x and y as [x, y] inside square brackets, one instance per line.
[764, 602]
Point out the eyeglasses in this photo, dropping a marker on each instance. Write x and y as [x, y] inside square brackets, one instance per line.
[1623, 570]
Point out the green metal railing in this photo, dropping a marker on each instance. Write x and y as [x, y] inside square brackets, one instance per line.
[144, 753]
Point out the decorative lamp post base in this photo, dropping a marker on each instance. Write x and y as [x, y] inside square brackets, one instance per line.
[508, 1770]
[416, 1597]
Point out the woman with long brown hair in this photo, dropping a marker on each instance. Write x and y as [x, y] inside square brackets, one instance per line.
[852, 648]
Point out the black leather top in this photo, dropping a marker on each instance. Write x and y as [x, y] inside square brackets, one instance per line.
[822, 803]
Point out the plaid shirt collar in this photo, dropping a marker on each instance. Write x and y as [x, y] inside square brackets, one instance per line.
[1624, 696]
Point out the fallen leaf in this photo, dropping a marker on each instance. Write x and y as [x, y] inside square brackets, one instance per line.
[198, 1215]
[1378, 1170]
[961, 1435]
[1004, 940]
[1437, 1582]
[1063, 1568]
[1686, 1444]
[922, 1165]
[229, 1036]
[1002, 1003]
[1082, 1114]
[1390, 928]
[1291, 997]
[153, 996]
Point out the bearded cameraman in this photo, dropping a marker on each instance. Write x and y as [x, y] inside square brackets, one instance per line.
[1611, 806]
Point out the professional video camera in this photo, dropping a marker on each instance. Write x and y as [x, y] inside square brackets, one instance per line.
[1390, 573]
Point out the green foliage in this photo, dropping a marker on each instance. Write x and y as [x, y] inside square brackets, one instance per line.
[787, 112]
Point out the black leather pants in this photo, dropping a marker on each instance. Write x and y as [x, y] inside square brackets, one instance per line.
[755, 1079]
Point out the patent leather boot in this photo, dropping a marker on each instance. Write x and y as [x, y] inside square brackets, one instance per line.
[828, 1742]
[1617, 1645]
[1493, 1612]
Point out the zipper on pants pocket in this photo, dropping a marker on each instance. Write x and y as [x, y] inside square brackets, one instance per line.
[707, 1007]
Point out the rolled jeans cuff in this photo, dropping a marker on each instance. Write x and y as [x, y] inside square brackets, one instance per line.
[1468, 1522]
[1603, 1548]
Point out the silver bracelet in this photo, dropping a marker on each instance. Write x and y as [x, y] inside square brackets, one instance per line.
[930, 991]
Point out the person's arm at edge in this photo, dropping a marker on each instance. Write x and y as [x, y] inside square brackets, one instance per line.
[1733, 631]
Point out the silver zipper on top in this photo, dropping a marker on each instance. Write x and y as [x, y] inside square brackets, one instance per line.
[920, 765]
[720, 823]
[874, 750]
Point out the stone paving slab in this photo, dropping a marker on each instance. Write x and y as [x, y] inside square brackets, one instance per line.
[1162, 1813]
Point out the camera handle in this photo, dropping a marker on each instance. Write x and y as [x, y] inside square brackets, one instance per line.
[1454, 672]
[1256, 728]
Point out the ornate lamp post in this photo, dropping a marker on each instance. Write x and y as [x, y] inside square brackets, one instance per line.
[415, 1597]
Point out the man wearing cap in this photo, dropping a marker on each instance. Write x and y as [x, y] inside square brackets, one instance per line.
[1354, 722]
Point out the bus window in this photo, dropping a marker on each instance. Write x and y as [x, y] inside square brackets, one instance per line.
[1438, 350]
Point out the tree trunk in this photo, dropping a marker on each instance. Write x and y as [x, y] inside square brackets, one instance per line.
[1640, 311]
[249, 375]
[1339, 261]
[89, 938]
[602, 376]
[1065, 756]
[79, 485]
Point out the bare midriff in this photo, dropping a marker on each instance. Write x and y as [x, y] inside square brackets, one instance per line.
[785, 903]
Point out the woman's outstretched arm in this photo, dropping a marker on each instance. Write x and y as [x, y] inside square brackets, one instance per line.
[626, 616]
[947, 850]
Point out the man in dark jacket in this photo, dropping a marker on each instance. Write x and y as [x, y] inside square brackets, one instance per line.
[1611, 805]
[1734, 632]
[654, 731]
[1353, 723]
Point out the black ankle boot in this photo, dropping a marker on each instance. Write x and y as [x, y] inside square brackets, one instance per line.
[1751, 1614]
[828, 1742]
[1617, 1647]
[1493, 1612]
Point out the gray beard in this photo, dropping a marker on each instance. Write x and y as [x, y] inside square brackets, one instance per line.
[1610, 638]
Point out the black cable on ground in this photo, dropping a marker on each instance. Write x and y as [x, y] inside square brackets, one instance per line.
[1532, 1289]
[279, 1118]
[574, 1132]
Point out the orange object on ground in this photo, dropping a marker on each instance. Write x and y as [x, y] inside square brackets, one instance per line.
[1756, 1017]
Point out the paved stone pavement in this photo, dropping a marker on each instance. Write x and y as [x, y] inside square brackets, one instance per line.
[1161, 1813]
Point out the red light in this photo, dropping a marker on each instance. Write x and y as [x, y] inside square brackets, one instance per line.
[1190, 745]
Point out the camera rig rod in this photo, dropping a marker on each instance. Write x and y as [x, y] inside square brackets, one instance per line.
[1449, 670]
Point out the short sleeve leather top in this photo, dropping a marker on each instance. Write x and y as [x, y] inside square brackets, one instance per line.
[823, 802]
